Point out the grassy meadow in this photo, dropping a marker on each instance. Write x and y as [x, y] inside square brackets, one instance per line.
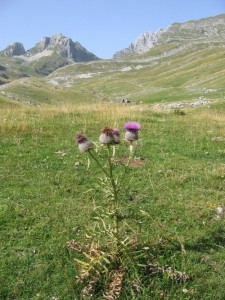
[46, 200]
[150, 78]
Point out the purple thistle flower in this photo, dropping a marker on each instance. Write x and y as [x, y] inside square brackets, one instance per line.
[80, 138]
[132, 130]
[84, 144]
[116, 132]
[132, 126]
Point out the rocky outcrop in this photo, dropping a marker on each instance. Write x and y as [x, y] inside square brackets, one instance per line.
[146, 41]
[179, 105]
[2, 68]
[121, 100]
[142, 44]
[14, 49]
[40, 46]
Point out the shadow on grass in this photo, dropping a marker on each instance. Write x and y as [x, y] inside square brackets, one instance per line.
[214, 241]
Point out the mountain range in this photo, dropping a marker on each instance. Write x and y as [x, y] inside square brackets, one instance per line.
[207, 30]
[58, 44]
[49, 54]
[184, 59]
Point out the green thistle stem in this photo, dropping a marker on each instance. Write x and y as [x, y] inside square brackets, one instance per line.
[128, 162]
[98, 163]
[115, 199]
[131, 148]
[114, 190]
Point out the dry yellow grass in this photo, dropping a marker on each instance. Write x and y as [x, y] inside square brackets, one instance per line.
[208, 114]
[113, 110]
[24, 118]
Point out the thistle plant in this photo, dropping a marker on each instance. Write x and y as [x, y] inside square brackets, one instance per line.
[109, 219]
[108, 139]
[113, 253]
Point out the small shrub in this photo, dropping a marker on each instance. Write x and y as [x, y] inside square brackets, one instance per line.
[179, 112]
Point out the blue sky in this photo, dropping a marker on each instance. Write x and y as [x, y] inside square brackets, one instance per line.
[101, 26]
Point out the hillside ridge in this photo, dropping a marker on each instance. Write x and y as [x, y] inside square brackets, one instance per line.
[206, 30]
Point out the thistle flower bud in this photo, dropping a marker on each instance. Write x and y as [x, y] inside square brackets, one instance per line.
[116, 135]
[131, 136]
[106, 136]
[132, 131]
[84, 144]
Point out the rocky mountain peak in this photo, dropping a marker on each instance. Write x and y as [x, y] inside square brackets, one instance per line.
[43, 44]
[142, 44]
[14, 49]
[59, 39]
[146, 41]
[63, 46]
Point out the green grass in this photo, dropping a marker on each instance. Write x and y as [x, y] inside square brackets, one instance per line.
[45, 201]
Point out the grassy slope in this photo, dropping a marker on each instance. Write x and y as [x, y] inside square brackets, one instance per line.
[45, 201]
[186, 75]
[15, 69]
